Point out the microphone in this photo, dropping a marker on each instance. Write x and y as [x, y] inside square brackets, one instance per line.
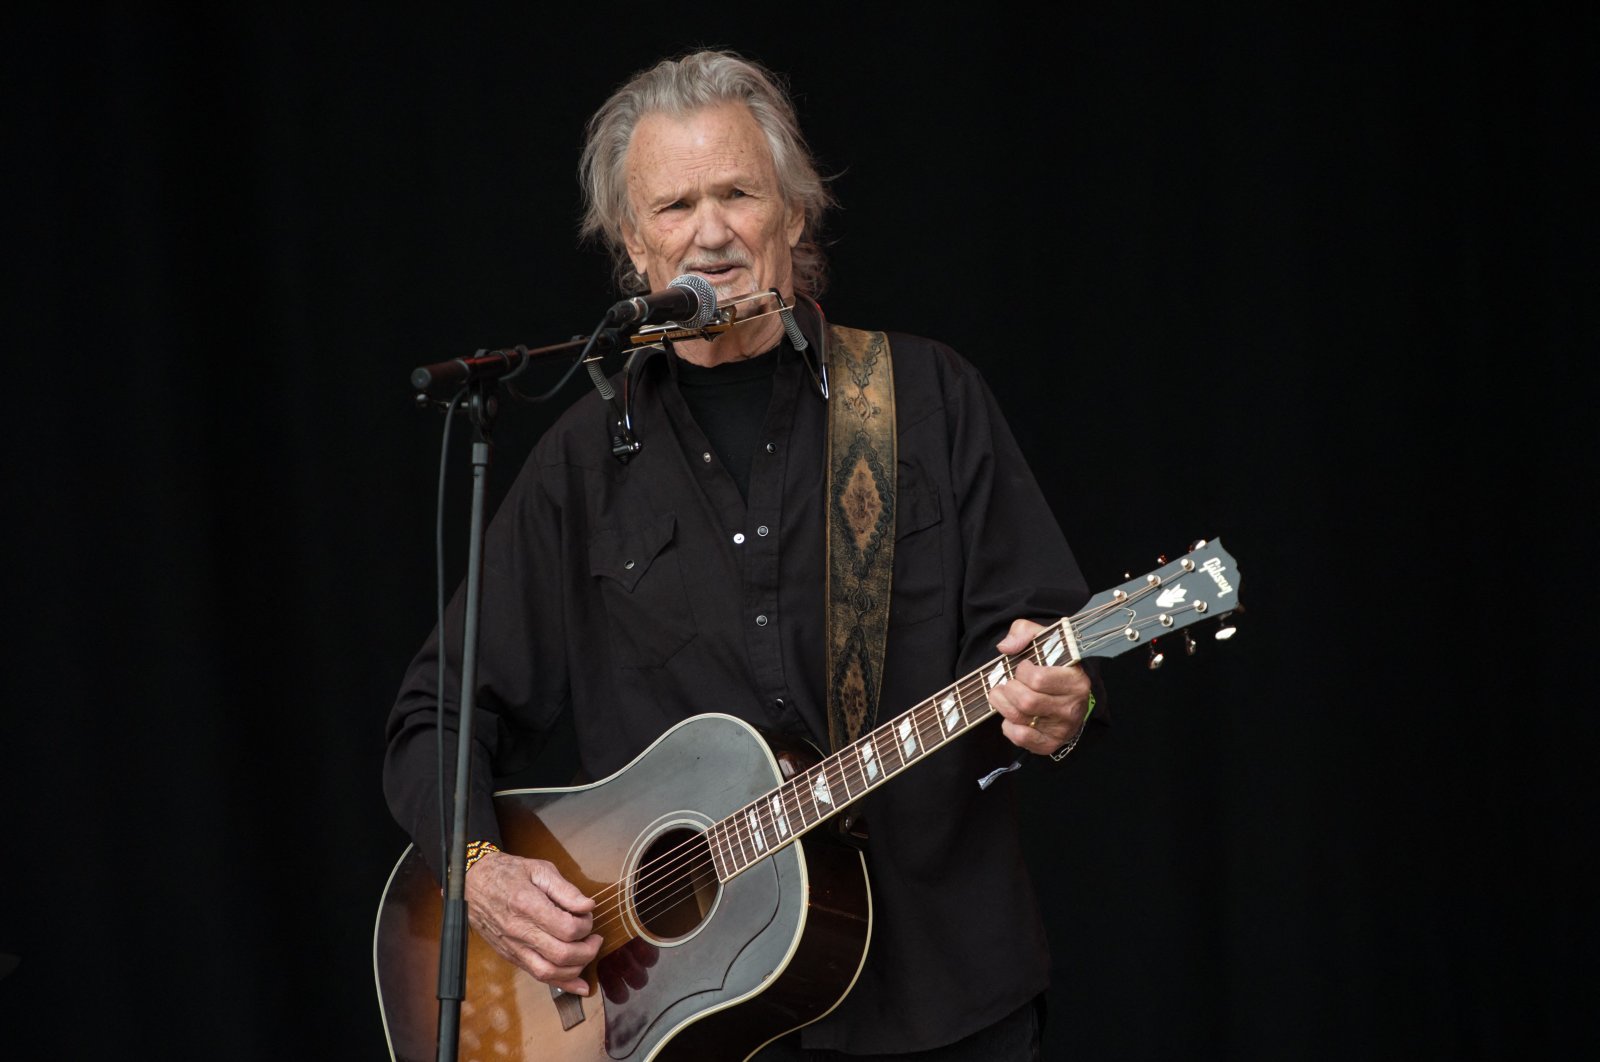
[688, 301]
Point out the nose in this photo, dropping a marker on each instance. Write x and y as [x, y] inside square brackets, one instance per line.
[712, 230]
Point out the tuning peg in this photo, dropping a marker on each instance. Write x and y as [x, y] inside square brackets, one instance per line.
[1228, 625]
[1189, 646]
[1198, 543]
[1157, 657]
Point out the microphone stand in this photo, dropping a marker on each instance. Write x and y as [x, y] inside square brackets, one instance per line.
[481, 407]
[444, 378]
[478, 374]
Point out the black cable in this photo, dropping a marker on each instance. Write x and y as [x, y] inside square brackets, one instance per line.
[438, 566]
[438, 538]
[582, 356]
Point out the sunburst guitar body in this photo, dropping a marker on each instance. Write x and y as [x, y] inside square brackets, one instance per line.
[691, 967]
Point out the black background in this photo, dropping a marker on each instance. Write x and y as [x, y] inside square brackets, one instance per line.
[1318, 285]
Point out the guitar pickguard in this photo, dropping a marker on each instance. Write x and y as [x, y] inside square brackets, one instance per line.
[725, 960]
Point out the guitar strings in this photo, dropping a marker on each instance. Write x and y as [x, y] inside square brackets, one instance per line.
[842, 771]
[667, 879]
[846, 768]
[651, 896]
[690, 856]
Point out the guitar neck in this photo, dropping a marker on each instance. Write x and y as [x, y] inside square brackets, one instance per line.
[799, 805]
[1113, 622]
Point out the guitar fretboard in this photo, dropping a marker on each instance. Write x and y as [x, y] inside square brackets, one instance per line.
[1113, 622]
[777, 819]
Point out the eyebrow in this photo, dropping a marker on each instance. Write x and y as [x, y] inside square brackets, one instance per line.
[743, 178]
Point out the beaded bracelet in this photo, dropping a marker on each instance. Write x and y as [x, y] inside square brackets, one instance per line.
[476, 850]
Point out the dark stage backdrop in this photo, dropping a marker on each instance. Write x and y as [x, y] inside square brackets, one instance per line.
[1312, 284]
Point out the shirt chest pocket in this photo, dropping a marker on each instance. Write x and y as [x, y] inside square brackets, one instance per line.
[641, 583]
[918, 591]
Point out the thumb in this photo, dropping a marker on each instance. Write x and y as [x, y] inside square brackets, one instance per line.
[1022, 632]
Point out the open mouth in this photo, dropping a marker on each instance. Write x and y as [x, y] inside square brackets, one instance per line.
[717, 271]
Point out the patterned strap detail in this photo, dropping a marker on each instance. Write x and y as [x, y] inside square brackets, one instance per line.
[860, 535]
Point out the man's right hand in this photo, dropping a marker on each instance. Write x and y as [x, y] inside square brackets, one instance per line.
[534, 918]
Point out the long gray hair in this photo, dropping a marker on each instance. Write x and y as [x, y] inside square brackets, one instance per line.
[680, 87]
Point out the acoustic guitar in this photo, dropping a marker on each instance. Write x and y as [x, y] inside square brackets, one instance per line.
[728, 918]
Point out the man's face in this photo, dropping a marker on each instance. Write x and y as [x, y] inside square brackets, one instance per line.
[705, 200]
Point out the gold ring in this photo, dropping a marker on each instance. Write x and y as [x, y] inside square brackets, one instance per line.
[1034, 722]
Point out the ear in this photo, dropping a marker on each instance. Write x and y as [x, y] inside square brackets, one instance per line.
[635, 247]
[795, 224]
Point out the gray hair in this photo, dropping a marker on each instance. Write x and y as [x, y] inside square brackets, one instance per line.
[681, 87]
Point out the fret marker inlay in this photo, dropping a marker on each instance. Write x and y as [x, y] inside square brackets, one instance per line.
[998, 675]
[952, 715]
[755, 831]
[820, 793]
[779, 817]
[869, 759]
[908, 744]
[1052, 648]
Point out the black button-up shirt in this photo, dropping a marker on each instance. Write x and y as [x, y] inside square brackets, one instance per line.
[636, 595]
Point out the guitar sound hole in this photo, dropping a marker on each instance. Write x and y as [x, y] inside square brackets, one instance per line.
[675, 885]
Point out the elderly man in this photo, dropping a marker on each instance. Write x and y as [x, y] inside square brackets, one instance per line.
[694, 578]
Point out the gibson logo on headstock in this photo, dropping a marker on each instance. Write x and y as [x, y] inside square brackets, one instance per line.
[1213, 568]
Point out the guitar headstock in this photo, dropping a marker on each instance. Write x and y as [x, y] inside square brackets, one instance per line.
[1201, 585]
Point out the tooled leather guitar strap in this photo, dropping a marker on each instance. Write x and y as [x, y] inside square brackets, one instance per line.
[860, 536]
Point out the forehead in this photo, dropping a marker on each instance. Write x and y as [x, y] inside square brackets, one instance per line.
[672, 153]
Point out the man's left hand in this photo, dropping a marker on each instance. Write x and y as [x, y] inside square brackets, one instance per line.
[1042, 707]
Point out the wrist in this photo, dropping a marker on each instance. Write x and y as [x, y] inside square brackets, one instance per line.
[1061, 753]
